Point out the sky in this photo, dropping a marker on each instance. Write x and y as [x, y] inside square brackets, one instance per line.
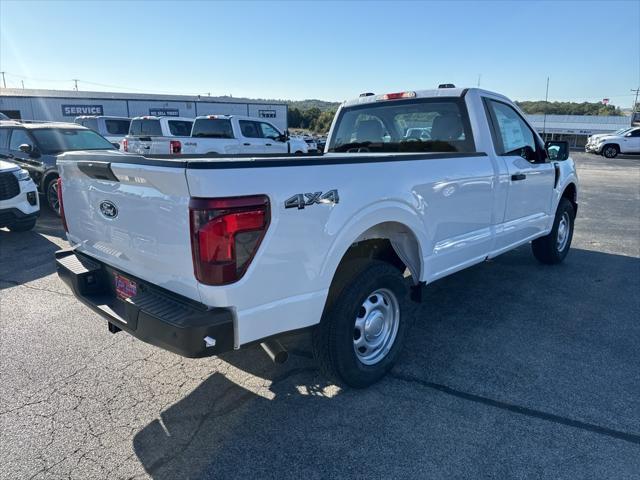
[326, 50]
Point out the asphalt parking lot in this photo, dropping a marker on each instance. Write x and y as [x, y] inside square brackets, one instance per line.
[512, 370]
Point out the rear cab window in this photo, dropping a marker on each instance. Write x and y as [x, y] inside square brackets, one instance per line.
[117, 127]
[145, 127]
[212, 128]
[404, 126]
[180, 128]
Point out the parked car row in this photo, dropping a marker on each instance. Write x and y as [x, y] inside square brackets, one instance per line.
[209, 134]
[626, 141]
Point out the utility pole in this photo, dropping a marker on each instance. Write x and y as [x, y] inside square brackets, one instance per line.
[4, 82]
[22, 82]
[544, 121]
[75, 80]
[635, 103]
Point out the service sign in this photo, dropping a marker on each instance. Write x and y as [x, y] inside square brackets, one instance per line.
[164, 112]
[77, 110]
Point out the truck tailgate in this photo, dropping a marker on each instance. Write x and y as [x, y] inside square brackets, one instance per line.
[133, 217]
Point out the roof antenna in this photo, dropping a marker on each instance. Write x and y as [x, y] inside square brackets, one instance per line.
[544, 121]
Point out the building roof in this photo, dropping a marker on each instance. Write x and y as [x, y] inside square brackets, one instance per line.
[579, 124]
[32, 92]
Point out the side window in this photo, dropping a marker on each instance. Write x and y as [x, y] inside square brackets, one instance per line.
[511, 132]
[635, 133]
[249, 129]
[91, 123]
[4, 138]
[18, 137]
[268, 131]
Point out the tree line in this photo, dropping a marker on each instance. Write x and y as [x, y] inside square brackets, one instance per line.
[319, 120]
[569, 108]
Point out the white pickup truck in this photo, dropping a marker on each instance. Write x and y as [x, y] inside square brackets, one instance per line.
[625, 141]
[204, 255]
[235, 134]
[157, 135]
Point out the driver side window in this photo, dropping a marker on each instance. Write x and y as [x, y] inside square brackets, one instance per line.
[268, 131]
[19, 137]
[511, 132]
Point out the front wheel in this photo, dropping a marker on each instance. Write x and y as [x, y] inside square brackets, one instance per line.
[361, 333]
[51, 193]
[552, 248]
[610, 151]
[24, 226]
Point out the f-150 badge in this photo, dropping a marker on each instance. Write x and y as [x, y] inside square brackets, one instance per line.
[302, 200]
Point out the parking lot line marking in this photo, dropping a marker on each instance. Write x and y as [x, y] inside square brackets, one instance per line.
[529, 412]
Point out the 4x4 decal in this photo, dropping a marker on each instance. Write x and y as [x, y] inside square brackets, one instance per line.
[302, 200]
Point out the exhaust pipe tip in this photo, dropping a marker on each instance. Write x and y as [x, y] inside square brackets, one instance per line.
[276, 351]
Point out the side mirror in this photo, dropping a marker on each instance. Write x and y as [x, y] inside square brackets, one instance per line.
[283, 138]
[26, 148]
[557, 150]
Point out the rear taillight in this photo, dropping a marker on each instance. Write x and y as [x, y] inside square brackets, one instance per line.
[175, 147]
[62, 217]
[125, 145]
[225, 236]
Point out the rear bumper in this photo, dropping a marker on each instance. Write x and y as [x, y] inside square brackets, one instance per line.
[153, 315]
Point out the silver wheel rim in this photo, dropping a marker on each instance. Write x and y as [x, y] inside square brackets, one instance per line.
[376, 326]
[52, 196]
[563, 232]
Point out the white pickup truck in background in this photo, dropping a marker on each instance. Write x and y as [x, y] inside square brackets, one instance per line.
[157, 135]
[113, 129]
[623, 141]
[235, 134]
[204, 255]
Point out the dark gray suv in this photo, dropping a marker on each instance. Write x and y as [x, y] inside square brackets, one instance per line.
[35, 146]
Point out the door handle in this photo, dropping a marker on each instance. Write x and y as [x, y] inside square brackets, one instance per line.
[268, 144]
[247, 144]
[518, 176]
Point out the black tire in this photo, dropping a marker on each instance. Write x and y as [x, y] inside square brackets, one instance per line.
[610, 151]
[23, 226]
[333, 340]
[551, 249]
[51, 195]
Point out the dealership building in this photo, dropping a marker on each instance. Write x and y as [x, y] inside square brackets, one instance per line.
[64, 105]
[576, 128]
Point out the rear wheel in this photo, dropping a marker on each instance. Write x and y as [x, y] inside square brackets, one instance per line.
[51, 194]
[361, 333]
[552, 248]
[610, 151]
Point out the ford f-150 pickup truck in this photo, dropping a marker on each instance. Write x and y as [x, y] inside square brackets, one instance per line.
[204, 255]
[157, 135]
[235, 134]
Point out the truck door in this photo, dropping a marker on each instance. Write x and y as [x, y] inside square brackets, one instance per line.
[251, 140]
[631, 142]
[530, 177]
[273, 140]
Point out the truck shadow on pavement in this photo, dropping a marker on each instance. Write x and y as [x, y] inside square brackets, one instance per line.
[503, 357]
[27, 256]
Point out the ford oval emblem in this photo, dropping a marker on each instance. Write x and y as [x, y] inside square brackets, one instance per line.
[108, 209]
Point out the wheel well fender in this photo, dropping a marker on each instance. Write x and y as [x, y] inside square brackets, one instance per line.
[571, 193]
[390, 233]
[45, 179]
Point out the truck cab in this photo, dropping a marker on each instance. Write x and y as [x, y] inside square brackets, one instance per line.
[112, 128]
[235, 134]
[157, 135]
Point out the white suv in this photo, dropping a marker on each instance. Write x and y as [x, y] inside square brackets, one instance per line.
[627, 142]
[19, 204]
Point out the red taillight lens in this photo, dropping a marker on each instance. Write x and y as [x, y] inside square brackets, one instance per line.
[125, 145]
[175, 147]
[64, 220]
[225, 236]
